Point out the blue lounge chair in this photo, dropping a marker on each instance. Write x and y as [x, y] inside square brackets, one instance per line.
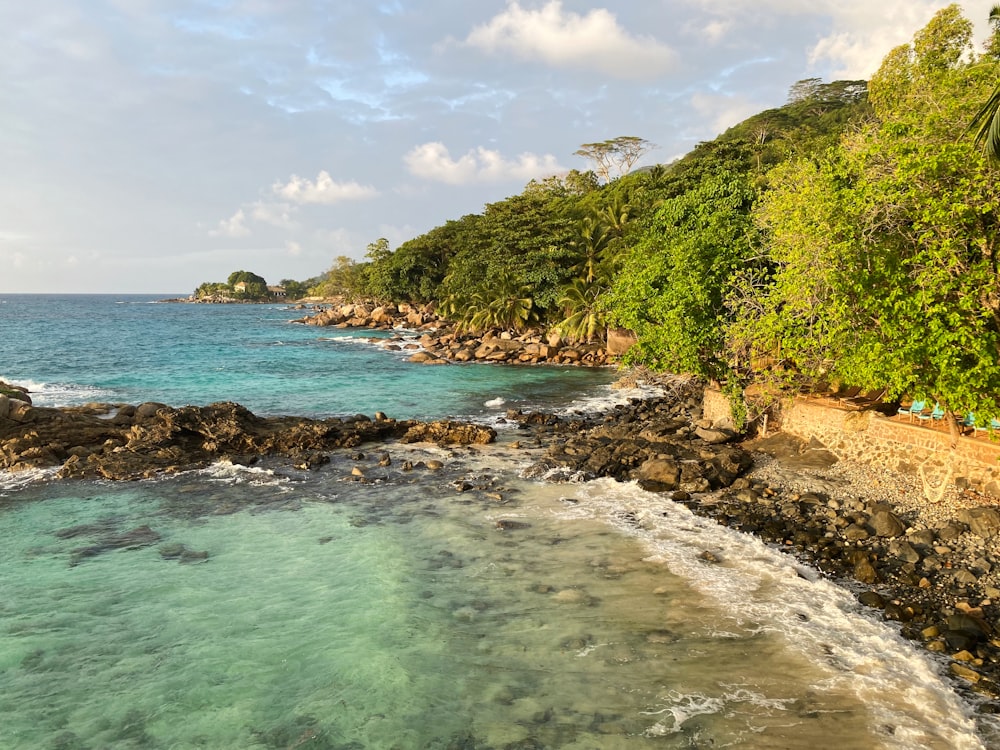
[937, 414]
[917, 407]
[970, 421]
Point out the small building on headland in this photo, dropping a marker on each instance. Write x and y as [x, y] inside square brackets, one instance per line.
[278, 292]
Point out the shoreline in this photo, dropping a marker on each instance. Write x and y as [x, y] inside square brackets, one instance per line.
[443, 342]
[931, 569]
[867, 530]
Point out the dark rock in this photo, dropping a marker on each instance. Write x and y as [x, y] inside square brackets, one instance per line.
[983, 522]
[951, 530]
[923, 537]
[855, 533]
[864, 571]
[154, 438]
[904, 551]
[715, 436]
[172, 551]
[969, 624]
[507, 525]
[886, 523]
[661, 472]
[871, 599]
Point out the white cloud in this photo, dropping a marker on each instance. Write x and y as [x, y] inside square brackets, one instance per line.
[860, 33]
[324, 190]
[716, 31]
[432, 161]
[561, 38]
[293, 248]
[722, 111]
[234, 226]
[275, 214]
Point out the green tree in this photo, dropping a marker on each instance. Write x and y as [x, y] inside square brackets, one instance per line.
[589, 247]
[673, 285]
[506, 304]
[345, 278]
[294, 289]
[255, 287]
[583, 308]
[212, 289]
[986, 122]
[616, 156]
[886, 250]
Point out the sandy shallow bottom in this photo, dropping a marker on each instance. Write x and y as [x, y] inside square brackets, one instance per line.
[402, 613]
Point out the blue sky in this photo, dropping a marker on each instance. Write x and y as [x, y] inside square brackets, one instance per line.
[150, 145]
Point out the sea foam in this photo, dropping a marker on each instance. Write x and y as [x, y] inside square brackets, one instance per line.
[767, 590]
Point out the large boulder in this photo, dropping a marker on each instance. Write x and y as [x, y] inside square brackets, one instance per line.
[885, 523]
[446, 432]
[620, 340]
[984, 522]
[659, 473]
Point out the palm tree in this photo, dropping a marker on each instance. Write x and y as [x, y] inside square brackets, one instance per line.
[592, 240]
[987, 120]
[584, 320]
[505, 305]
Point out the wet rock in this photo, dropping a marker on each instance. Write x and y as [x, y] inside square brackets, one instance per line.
[508, 525]
[871, 599]
[172, 551]
[864, 571]
[661, 473]
[153, 438]
[450, 433]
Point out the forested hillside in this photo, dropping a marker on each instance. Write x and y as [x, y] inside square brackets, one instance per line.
[850, 235]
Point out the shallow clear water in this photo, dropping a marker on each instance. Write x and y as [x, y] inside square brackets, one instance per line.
[395, 613]
[398, 615]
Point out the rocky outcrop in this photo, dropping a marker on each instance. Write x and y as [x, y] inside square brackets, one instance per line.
[443, 343]
[131, 442]
[450, 433]
[655, 442]
[15, 392]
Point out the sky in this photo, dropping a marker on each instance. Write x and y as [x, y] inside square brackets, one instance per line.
[147, 146]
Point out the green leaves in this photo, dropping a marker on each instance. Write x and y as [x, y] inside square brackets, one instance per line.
[987, 125]
[673, 284]
[884, 250]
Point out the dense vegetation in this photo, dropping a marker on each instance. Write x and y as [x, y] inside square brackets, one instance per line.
[850, 235]
[240, 285]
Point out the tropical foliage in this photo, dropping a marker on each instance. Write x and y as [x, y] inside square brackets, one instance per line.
[850, 235]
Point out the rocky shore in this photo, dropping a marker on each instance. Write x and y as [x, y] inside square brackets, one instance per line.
[134, 442]
[933, 568]
[442, 342]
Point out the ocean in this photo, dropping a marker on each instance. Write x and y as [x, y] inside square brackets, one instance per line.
[288, 609]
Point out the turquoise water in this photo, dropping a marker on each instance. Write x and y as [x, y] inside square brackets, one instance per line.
[127, 348]
[273, 608]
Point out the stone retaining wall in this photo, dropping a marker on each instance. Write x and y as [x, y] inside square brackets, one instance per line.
[869, 437]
